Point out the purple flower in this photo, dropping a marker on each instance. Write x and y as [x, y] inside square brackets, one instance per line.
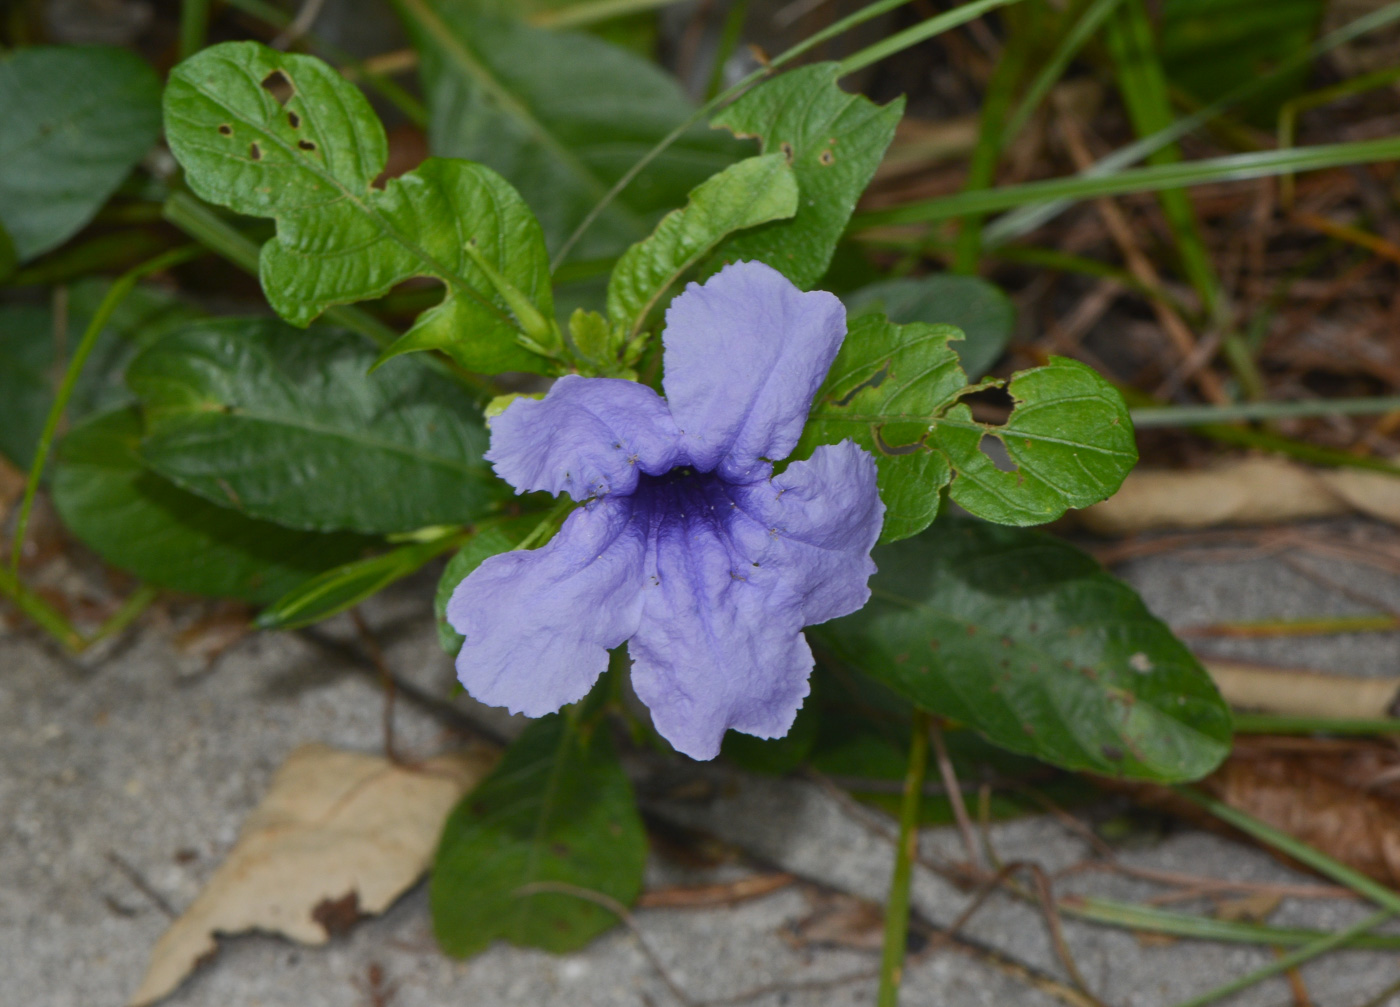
[687, 547]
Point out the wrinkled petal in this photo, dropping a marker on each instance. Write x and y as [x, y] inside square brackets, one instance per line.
[588, 437]
[538, 624]
[745, 354]
[720, 643]
[820, 518]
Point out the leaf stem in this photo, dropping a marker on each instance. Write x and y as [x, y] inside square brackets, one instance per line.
[897, 908]
[113, 298]
[40, 612]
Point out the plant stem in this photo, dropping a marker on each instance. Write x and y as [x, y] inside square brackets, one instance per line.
[114, 296]
[194, 26]
[728, 39]
[897, 908]
[44, 615]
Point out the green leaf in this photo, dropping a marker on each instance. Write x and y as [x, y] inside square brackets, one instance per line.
[1027, 640]
[487, 542]
[558, 808]
[1069, 437]
[29, 370]
[288, 427]
[140, 522]
[752, 192]
[76, 121]
[562, 115]
[894, 390]
[985, 315]
[834, 142]
[280, 135]
[334, 591]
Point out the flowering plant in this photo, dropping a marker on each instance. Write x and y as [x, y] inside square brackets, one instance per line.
[751, 475]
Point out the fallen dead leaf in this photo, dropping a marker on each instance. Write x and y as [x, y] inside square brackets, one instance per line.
[1301, 692]
[839, 920]
[1251, 491]
[339, 835]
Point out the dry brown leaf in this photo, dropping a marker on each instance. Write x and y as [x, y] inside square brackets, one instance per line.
[726, 893]
[1300, 692]
[839, 920]
[1341, 796]
[339, 835]
[1250, 491]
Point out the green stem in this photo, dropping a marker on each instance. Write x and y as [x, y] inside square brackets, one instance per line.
[219, 236]
[1195, 416]
[728, 39]
[1232, 168]
[897, 908]
[1269, 723]
[114, 296]
[194, 26]
[124, 616]
[40, 612]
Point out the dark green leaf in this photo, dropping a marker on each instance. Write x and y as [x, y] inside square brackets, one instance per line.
[75, 122]
[310, 160]
[834, 142]
[487, 542]
[288, 427]
[562, 115]
[29, 372]
[558, 808]
[985, 315]
[1027, 640]
[334, 591]
[140, 522]
[754, 191]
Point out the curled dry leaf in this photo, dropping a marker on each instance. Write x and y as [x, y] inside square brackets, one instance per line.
[339, 835]
[1250, 491]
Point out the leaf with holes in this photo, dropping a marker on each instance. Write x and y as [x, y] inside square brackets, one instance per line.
[1069, 438]
[894, 390]
[563, 115]
[290, 427]
[754, 191]
[558, 808]
[285, 136]
[76, 122]
[834, 141]
[985, 315]
[146, 525]
[1027, 640]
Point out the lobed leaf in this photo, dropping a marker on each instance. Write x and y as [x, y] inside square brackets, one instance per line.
[285, 136]
[754, 191]
[562, 115]
[1030, 642]
[894, 390]
[290, 427]
[558, 808]
[834, 142]
[77, 120]
[146, 525]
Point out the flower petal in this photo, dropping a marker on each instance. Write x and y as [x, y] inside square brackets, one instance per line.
[822, 516]
[745, 353]
[588, 437]
[538, 624]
